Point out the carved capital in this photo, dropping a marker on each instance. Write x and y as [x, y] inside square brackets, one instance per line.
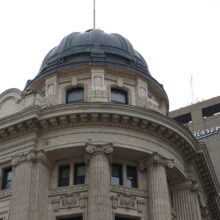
[99, 149]
[155, 159]
[32, 156]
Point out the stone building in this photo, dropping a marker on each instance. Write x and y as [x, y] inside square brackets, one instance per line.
[203, 120]
[89, 138]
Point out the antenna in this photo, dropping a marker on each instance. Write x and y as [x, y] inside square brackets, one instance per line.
[94, 14]
[192, 91]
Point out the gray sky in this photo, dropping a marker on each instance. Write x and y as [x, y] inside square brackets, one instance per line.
[178, 39]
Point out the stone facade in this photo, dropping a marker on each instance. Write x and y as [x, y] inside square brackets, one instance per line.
[58, 158]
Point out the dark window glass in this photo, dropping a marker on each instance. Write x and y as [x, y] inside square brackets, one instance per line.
[117, 174]
[119, 96]
[131, 176]
[64, 175]
[72, 218]
[124, 218]
[6, 178]
[184, 119]
[211, 110]
[79, 173]
[75, 95]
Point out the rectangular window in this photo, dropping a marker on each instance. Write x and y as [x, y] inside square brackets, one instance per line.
[79, 173]
[211, 110]
[131, 176]
[72, 218]
[125, 218]
[184, 119]
[117, 177]
[64, 175]
[6, 178]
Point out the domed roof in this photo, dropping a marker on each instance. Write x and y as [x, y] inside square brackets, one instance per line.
[95, 48]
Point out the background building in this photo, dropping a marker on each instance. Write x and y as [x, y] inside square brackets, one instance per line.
[203, 120]
[89, 138]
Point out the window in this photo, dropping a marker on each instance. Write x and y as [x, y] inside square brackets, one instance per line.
[125, 218]
[211, 110]
[184, 119]
[79, 173]
[6, 178]
[117, 174]
[131, 179]
[73, 218]
[119, 96]
[64, 175]
[75, 95]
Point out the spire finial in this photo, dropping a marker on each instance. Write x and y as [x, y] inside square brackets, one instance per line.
[94, 14]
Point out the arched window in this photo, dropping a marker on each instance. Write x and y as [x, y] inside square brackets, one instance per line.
[75, 95]
[119, 96]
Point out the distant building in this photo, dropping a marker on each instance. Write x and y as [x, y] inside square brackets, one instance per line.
[203, 120]
[89, 138]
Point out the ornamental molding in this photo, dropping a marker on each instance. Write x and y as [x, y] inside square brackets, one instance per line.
[127, 202]
[5, 193]
[68, 189]
[155, 159]
[128, 190]
[69, 201]
[33, 156]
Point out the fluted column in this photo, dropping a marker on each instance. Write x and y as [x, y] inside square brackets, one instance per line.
[185, 201]
[158, 194]
[99, 203]
[31, 177]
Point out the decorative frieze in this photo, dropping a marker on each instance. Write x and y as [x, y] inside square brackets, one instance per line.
[127, 201]
[69, 201]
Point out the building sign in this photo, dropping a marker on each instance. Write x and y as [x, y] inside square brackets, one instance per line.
[206, 133]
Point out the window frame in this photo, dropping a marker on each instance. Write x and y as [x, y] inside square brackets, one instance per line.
[76, 165]
[121, 179]
[72, 89]
[6, 183]
[60, 167]
[121, 91]
[135, 177]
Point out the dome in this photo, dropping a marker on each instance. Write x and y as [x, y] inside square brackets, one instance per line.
[95, 48]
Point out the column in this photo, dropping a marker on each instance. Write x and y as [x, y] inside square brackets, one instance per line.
[31, 178]
[99, 202]
[158, 194]
[185, 201]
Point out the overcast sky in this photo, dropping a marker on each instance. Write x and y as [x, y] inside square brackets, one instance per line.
[179, 39]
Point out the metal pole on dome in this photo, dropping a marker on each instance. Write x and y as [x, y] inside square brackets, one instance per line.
[94, 14]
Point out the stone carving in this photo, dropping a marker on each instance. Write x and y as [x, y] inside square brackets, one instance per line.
[69, 200]
[155, 159]
[32, 156]
[99, 149]
[127, 201]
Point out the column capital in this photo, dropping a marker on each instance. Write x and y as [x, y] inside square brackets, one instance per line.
[99, 149]
[31, 156]
[155, 159]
